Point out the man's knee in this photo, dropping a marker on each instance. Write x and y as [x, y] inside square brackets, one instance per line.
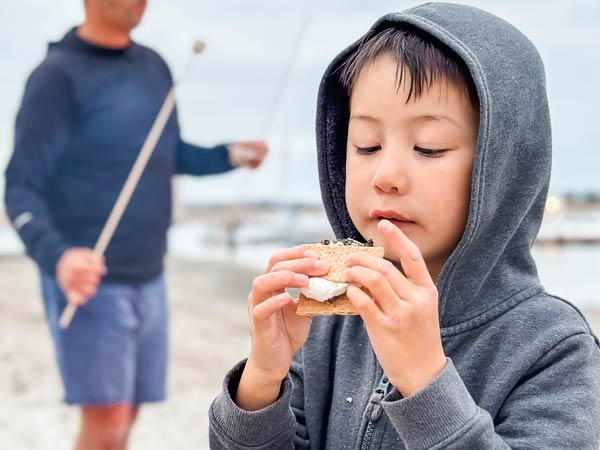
[108, 426]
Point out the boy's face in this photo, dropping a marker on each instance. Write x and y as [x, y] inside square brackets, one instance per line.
[410, 162]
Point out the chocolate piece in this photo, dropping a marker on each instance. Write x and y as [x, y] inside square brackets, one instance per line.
[347, 241]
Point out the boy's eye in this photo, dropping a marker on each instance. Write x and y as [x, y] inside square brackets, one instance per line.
[367, 150]
[429, 153]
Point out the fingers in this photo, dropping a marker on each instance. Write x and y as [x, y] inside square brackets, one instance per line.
[82, 286]
[289, 268]
[83, 279]
[308, 266]
[259, 146]
[388, 271]
[93, 263]
[410, 256]
[377, 285]
[77, 298]
[268, 307]
[247, 153]
[364, 304]
[85, 263]
[289, 254]
[266, 285]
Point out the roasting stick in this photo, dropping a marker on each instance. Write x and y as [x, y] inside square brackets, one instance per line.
[132, 180]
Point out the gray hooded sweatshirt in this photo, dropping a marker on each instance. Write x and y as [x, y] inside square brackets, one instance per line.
[523, 369]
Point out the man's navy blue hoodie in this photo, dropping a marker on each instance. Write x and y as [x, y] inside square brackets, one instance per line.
[84, 116]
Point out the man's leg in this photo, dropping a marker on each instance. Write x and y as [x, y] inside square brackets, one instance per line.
[134, 415]
[106, 427]
[97, 360]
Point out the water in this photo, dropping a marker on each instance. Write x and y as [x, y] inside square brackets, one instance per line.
[571, 271]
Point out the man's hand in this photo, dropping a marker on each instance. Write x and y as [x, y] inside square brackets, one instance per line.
[247, 153]
[78, 273]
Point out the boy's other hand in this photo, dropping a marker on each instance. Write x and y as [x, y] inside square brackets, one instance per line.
[401, 318]
[78, 273]
[277, 331]
[248, 154]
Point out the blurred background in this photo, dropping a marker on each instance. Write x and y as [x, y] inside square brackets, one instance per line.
[258, 77]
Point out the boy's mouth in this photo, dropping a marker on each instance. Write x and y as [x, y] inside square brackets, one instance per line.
[397, 219]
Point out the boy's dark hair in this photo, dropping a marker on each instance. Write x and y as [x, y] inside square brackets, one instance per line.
[424, 58]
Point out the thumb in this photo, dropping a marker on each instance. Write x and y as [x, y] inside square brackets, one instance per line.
[75, 297]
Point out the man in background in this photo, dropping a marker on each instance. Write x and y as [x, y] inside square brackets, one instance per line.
[85, 113]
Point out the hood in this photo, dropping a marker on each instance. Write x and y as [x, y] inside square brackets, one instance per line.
[492, 266]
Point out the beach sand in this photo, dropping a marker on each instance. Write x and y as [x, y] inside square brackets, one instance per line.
[209, 333]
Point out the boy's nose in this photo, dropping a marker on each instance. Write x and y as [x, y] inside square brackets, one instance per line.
[390, 174]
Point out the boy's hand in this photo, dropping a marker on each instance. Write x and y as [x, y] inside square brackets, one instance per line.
[401, 318]
[78, 273]
[277, 332]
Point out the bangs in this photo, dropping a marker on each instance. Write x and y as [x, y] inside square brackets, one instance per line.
[421, 61]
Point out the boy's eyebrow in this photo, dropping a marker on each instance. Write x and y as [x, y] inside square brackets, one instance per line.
[426, 117]
[364, 117]
[439, 117]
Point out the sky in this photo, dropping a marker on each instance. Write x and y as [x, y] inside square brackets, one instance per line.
[261, 69]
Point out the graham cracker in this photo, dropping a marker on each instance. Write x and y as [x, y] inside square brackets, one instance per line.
[339, 305]
[335, 255]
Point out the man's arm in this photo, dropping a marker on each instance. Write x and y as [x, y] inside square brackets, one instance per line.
[42, 131]
[195, 160]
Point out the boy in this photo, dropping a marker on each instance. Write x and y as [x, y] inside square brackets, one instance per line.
[434, 141]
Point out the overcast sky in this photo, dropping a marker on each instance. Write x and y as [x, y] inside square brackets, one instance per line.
[264, 59]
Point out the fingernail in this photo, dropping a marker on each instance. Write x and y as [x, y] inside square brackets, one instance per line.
[311, 254]
[322, 265]
[301, 278]
[385, 225]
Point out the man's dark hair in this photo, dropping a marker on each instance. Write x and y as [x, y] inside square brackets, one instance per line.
[419, 55]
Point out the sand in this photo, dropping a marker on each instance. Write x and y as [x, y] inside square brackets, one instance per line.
[209, 333]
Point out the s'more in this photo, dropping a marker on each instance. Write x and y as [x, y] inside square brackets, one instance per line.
[326, 295]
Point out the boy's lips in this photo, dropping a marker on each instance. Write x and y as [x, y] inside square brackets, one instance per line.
[397, 219]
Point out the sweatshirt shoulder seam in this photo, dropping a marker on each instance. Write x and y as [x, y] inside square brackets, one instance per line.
[556, 344]
[579, 313]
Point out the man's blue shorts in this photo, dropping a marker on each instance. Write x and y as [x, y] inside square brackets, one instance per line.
[115, 350]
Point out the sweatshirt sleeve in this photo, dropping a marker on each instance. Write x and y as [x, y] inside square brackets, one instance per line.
[42, 130]
[556, 406]
[277, 426]
[195, 160]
